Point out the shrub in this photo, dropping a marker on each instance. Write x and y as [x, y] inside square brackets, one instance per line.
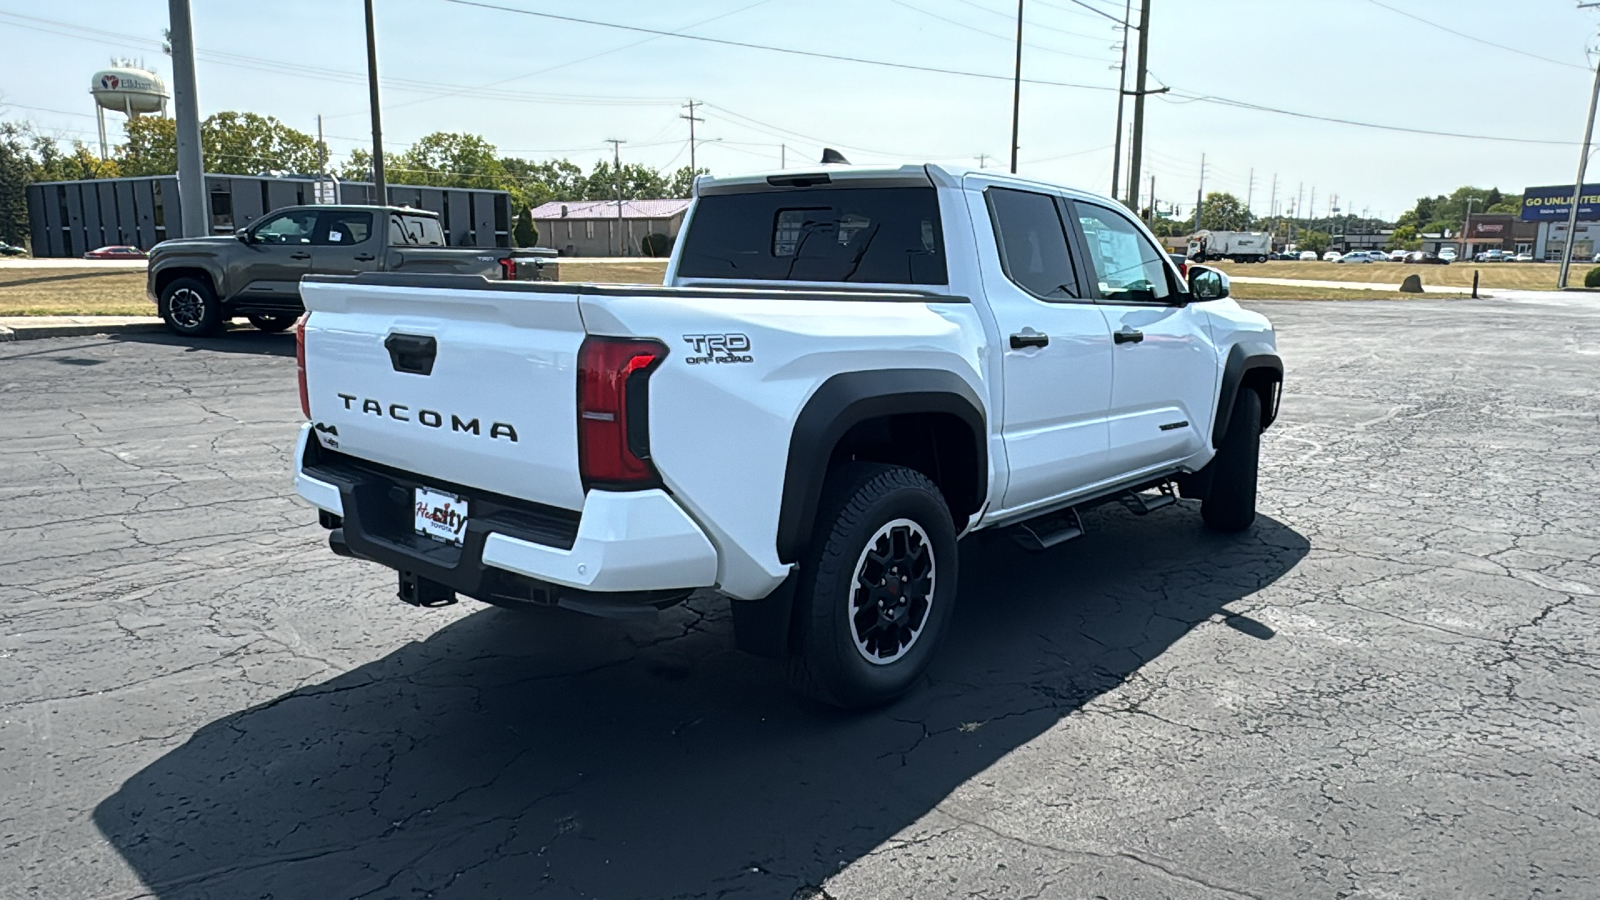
[525, 233]
[1592, 280]
[656, 244]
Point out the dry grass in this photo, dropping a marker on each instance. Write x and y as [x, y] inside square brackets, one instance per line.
[73, 292]
[651, 271]
[1511, 276]
[1244, 291]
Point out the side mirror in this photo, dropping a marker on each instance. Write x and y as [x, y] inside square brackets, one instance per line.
[244, 237]
[1206, 283]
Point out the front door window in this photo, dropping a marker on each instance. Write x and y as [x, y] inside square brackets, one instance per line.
[289, 228]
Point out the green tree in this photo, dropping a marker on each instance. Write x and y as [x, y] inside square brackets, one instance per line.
[1405, 238]
[1225, 212]
[526, 233]
[16, 173]
[1315, 241]
[233, 143]
[639, 182]
[682, 184]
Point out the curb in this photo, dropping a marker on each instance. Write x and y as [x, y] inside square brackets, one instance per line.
[49, 328]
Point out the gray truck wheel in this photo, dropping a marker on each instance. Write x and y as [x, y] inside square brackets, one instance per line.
[190, 308]
[273, 323]
[877, 585]
[1230, 496]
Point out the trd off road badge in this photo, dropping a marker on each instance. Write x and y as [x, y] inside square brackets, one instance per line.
[719, 348]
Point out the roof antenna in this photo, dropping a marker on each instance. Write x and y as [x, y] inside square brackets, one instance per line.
[831, 157]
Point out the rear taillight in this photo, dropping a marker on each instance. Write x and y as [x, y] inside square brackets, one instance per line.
[508, 269]
[614, 411]
[300, 362]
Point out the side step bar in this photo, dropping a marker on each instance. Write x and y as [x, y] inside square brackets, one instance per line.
[1062, 525]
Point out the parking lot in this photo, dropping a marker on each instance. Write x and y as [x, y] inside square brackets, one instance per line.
[1389, 688]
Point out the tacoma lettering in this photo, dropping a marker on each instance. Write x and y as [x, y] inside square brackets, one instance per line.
[429, 418]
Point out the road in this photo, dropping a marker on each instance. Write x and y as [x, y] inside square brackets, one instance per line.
[1389, 688]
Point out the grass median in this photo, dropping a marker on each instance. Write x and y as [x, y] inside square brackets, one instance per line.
[1507, 276]
[1247, 291]
[92, 291]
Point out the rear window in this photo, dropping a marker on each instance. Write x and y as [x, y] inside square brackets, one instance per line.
[850, 235]
[416, 230]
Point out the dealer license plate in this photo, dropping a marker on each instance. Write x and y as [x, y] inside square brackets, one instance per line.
[441, 516]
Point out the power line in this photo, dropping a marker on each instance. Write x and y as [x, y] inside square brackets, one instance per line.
[1094, 9]
[1477, 40]
[789, 50]
[1039, 25]
[1000, 37]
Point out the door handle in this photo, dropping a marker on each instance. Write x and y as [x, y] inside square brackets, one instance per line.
[1127, 336]
[300, 255]
[1018, 341]
[364, 257]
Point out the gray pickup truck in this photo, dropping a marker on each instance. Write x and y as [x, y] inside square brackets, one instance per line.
[198, 284]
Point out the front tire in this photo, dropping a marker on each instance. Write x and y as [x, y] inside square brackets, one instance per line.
[1230, 496]
[877, 585]
[272, 323]
[190, 307]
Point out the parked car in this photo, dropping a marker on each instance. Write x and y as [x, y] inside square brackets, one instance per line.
[540, 445]
[10, 250]
[1523, 257]
[1331, 256]
[116, 251]
[1398, 256]
[198, 284]
[1287, 254]
[1308, 256]
[1448, 254]
[1355, 256]
[1424, 258]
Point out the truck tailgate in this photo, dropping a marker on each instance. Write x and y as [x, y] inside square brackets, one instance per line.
[471, 387]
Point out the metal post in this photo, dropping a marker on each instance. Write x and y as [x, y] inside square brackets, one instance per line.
[1138, 102]
[1016, 92]
[1200, 195]
[322, 149]
[1466, 228]
[380, 185]
[1122, 97]
[1577, 188]
[783, 156]
[186, 105]
[616, 171]
[1152, 203]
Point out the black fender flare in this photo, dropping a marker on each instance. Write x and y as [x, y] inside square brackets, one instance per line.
[180, 267]
[1243, 358]
[849, 398]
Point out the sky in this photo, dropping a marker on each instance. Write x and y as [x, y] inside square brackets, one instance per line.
[543, 88]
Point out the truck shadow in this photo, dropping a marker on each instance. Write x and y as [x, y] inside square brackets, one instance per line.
[239, 338]
[512, 755]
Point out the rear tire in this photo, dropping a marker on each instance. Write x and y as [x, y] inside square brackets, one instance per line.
[1230, 495]
[190, 307]
[877, 585]
[272, 323]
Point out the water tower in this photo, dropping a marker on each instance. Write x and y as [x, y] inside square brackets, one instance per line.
[129, 90]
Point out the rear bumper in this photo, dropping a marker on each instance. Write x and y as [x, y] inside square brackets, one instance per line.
[621, 542]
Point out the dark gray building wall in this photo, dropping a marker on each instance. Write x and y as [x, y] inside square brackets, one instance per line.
[70, 218]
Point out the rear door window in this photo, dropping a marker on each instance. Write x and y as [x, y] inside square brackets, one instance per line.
[423, 231]
[1033, 243]
[344, 227]
[847, 235]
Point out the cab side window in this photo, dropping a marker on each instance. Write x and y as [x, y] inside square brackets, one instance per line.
[290, 228]
[1129, 268]
[1033, 243]
[343, 228]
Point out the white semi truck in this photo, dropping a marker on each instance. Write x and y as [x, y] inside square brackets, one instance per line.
[1238, 246]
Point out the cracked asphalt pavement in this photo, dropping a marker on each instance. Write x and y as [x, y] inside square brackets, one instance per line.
[1390, 688]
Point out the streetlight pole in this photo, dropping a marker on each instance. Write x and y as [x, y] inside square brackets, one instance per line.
[186, 108]
[1016, 92]
[1583, 164]
[380, 185]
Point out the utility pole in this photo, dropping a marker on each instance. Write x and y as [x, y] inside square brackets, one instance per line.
[1200, 194]
[1272, 204]
[983, 160]
[380, 185]
[1016, 92]
[186, 109]
[783, 156]
[692, 119]
[616, 172]
[1312, 212]
[1152, 202]
[1250, 193]
[322, 149]
[1122, 96]
[1577, 187]
[1138, 102]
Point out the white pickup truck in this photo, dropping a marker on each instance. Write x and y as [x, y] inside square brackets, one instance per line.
[847, 370]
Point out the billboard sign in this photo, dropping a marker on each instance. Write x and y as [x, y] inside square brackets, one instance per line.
[1554, 204]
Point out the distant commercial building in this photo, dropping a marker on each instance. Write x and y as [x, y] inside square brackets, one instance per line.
[1546, 210]
[70, 218]
[595, 228]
